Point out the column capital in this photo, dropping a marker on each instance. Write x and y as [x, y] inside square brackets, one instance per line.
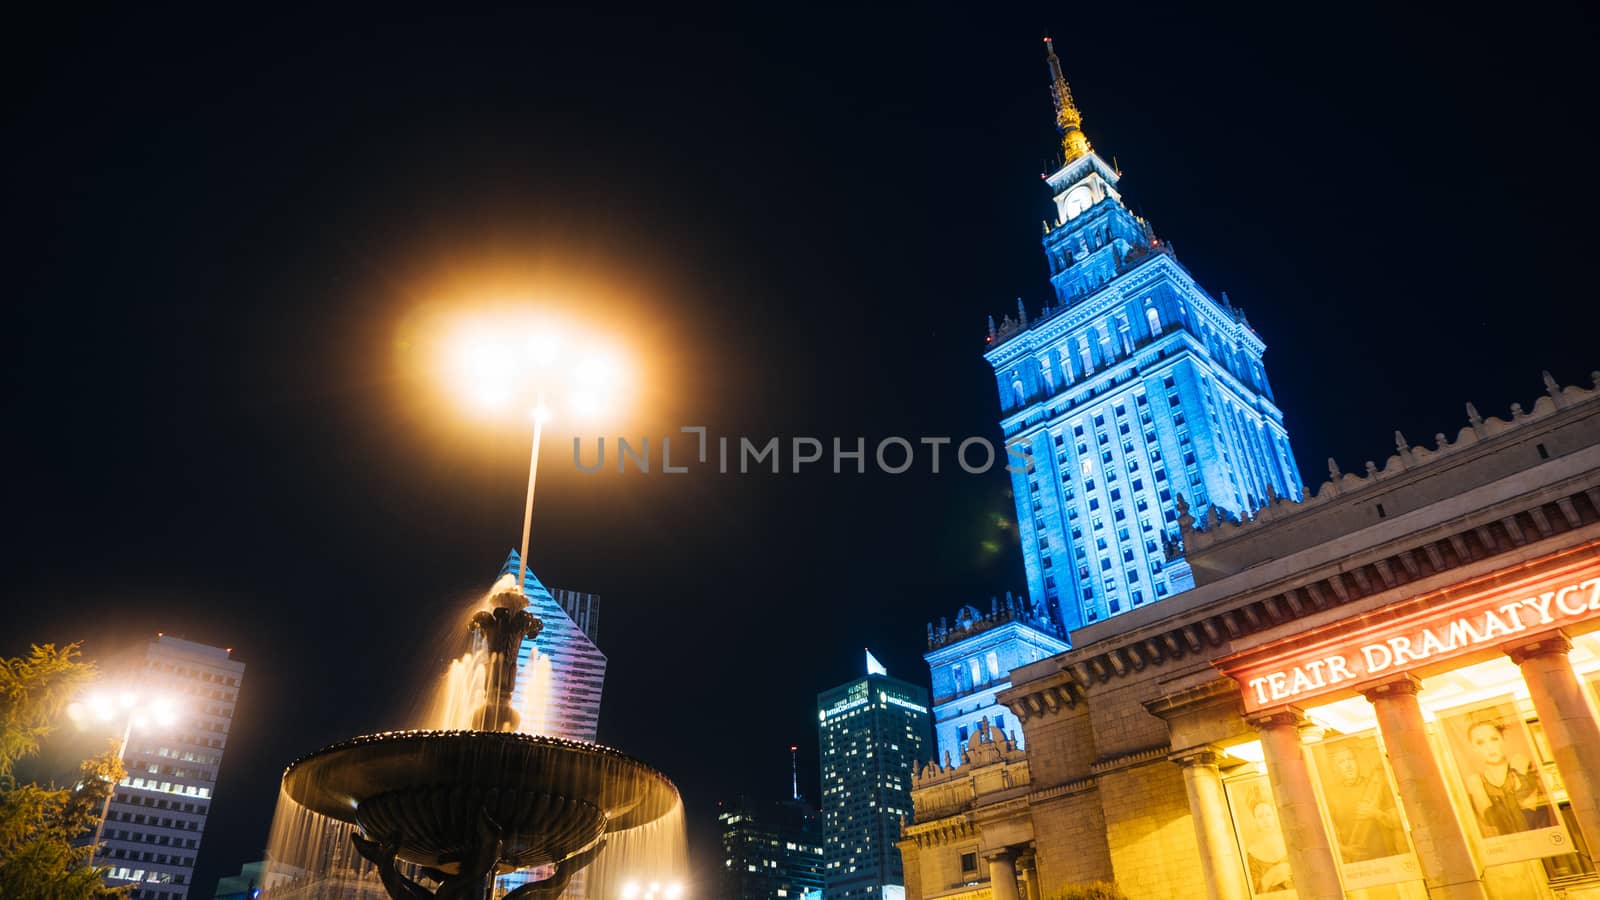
[1202, 755]
[1552, 643]
[1403, 683]
[1004, 854]
[1276, 717]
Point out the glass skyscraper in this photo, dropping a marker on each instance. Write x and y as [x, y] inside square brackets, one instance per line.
[577, 668]
[158, 812]
[872, 733]
[1132, 389]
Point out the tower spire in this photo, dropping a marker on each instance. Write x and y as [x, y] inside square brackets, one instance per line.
[1069, 121]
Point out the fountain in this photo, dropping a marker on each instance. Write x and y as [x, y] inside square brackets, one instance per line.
[459, 807]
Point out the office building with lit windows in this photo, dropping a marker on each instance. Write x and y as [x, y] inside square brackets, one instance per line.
[1133, 393]
[872, 733]
[970, 661]
[158, 812]
[771, 851]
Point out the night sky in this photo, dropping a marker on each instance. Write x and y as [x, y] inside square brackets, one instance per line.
[232, 236]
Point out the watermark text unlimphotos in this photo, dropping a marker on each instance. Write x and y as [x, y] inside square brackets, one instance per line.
[774, 455]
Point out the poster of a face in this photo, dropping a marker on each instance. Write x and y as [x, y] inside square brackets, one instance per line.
[1366, 818]
[1499, 770]
[1255, 821]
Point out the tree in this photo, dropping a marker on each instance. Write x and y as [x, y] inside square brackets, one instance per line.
[33, 692]
[42, 853]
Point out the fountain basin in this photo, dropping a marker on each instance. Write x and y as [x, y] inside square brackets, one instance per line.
[424, 793]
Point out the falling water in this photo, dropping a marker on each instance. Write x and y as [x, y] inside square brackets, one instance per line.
[310, 856]
[633, 861]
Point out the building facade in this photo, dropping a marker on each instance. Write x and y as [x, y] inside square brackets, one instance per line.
[1132, 388]
[872, 733]
[158, 812]
[572, 673]
[1389, 690]
[970, 661]
[771, 851]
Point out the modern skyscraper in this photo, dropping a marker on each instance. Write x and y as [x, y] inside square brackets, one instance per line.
[158, 812]
[577, 668]
[771, 851]
[1132, 389]
[971, 660]
[873, 732]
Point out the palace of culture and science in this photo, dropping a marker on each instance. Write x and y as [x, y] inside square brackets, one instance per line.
[1135, 395]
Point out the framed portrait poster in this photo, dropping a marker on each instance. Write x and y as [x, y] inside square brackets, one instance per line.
[1368, 829]
[1499, 772]
[1261, 843]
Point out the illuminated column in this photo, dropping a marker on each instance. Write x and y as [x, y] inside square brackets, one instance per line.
[1447, 863]
[1003, 875]
[1219, 857]
[1027, 867]
[1316, 875]
[1569, 723]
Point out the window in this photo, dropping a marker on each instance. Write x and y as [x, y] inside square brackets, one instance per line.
[1172, 399]
[969, 861]
[1153, 319]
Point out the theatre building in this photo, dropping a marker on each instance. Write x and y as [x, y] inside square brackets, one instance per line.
[1388, 690]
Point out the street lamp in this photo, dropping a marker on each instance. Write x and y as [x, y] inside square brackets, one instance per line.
[653, 890]
[522, 368]
[137, 711]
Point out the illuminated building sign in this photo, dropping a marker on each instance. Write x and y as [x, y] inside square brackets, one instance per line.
[1478, 620]
[841, 706]
[890, 698]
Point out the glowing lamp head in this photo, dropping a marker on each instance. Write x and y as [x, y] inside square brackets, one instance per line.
[101, 707]
[544, 348]
[164, 711]
[630, 890]
[673, 891]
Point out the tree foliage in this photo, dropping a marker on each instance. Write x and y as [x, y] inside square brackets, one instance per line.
[33, 691]
[43, 854]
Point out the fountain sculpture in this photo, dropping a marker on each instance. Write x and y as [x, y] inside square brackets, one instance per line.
[460, 807]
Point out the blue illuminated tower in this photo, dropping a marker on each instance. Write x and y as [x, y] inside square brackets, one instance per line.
[970, 661]
[1132, 388]
[872, 733]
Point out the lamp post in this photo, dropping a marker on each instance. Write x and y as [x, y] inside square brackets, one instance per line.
[496, 374]
[136, 710]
